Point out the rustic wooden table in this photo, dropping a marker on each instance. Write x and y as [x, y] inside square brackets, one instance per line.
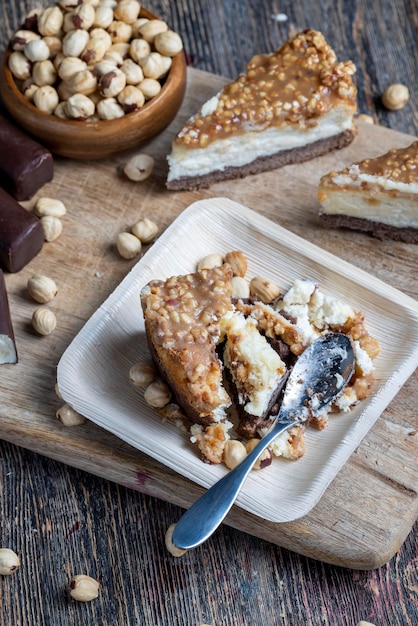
[64, 521]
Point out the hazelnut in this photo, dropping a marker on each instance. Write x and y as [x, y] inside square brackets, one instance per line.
[74, 42]
[234, 453]
[265, 458]
[146, 230]
[119, 31]
[367, 119]
[41, 288]
[150, 29]
[83, 16]
[139, 49]
[44, 73]
[103, 16]
[54, 44]
[240, 288]
[128, 245]
[133, 72]
[79, 107]
[21, 38]
[150, 87]
[49, 206]
[395, 97]
[44, 321]
[139, 167]
[168, 43]
[210, 261]
[69, 416]
[36, 50]
[60, 111]
[264, 289]
[153, 66]
[28, 89]
[127, 11]
[95, 50]
[50, 21]
[112, 83]
[84, 588]
[237, 261]
[70, 66]
[157, 394]
[109, 109]
[19, 65]
[52, 227]
[9, 562]
[46, 99]
[142, 374]
[131, 98]
[171, 547]
[84, 82]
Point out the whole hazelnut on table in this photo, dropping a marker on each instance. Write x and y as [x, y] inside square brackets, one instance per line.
[84, 588]
[395, 97]
[41, 288]
[9, 562]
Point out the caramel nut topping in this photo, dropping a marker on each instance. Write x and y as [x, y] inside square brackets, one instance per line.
[294, 85]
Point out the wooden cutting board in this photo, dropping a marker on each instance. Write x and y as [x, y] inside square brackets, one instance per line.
[369, 508]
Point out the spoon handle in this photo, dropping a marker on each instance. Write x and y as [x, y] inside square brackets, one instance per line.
[202, 519]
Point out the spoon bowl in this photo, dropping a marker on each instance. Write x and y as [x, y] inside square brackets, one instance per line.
[318, 376]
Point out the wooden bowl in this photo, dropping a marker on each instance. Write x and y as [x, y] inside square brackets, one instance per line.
[103, 138]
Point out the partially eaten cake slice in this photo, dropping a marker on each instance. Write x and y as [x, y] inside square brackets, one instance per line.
[378, 196]
[287, 107]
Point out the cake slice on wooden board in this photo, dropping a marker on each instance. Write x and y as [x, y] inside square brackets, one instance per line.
[289, 106]
[378, 196]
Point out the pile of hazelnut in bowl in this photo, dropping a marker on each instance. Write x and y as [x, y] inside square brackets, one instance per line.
[93, 78]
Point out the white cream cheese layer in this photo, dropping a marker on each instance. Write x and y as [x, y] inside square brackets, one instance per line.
[386, 209]
[239, 150]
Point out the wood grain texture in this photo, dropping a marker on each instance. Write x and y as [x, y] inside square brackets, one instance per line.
[64, 521]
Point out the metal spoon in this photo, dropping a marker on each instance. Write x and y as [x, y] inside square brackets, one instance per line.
[318, 376]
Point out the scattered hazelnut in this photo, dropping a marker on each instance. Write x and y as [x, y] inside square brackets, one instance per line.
[49, 206]
[139, 167]
[142, 374]
[234, 453]
[264, 289]
[157, 394]
[52, 227]
[168, 43]
[210, 261]
[9, 562]
[363, 623]
[395, 97]
[84, 588]
[365, 118]
[41, 288]
[69, 416]
[265, 458]
[237, 261]
[240, 288]
[44, 321]
[128, 245]
[173, 549]
[146, 230]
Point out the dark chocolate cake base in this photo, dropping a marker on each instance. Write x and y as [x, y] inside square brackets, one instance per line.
[264, 164]
[376, 229]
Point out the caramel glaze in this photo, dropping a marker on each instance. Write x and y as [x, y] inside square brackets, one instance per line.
[294, 85]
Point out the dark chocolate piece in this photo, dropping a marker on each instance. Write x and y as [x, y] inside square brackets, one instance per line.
[21, 234]
[8, 352]
[25, 165]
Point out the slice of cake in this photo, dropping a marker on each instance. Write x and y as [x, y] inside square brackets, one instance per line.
[287, 107]
[378, 196]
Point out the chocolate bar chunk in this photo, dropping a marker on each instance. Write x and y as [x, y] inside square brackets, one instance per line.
[8, 352]
[21, 234]
[25, 165]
